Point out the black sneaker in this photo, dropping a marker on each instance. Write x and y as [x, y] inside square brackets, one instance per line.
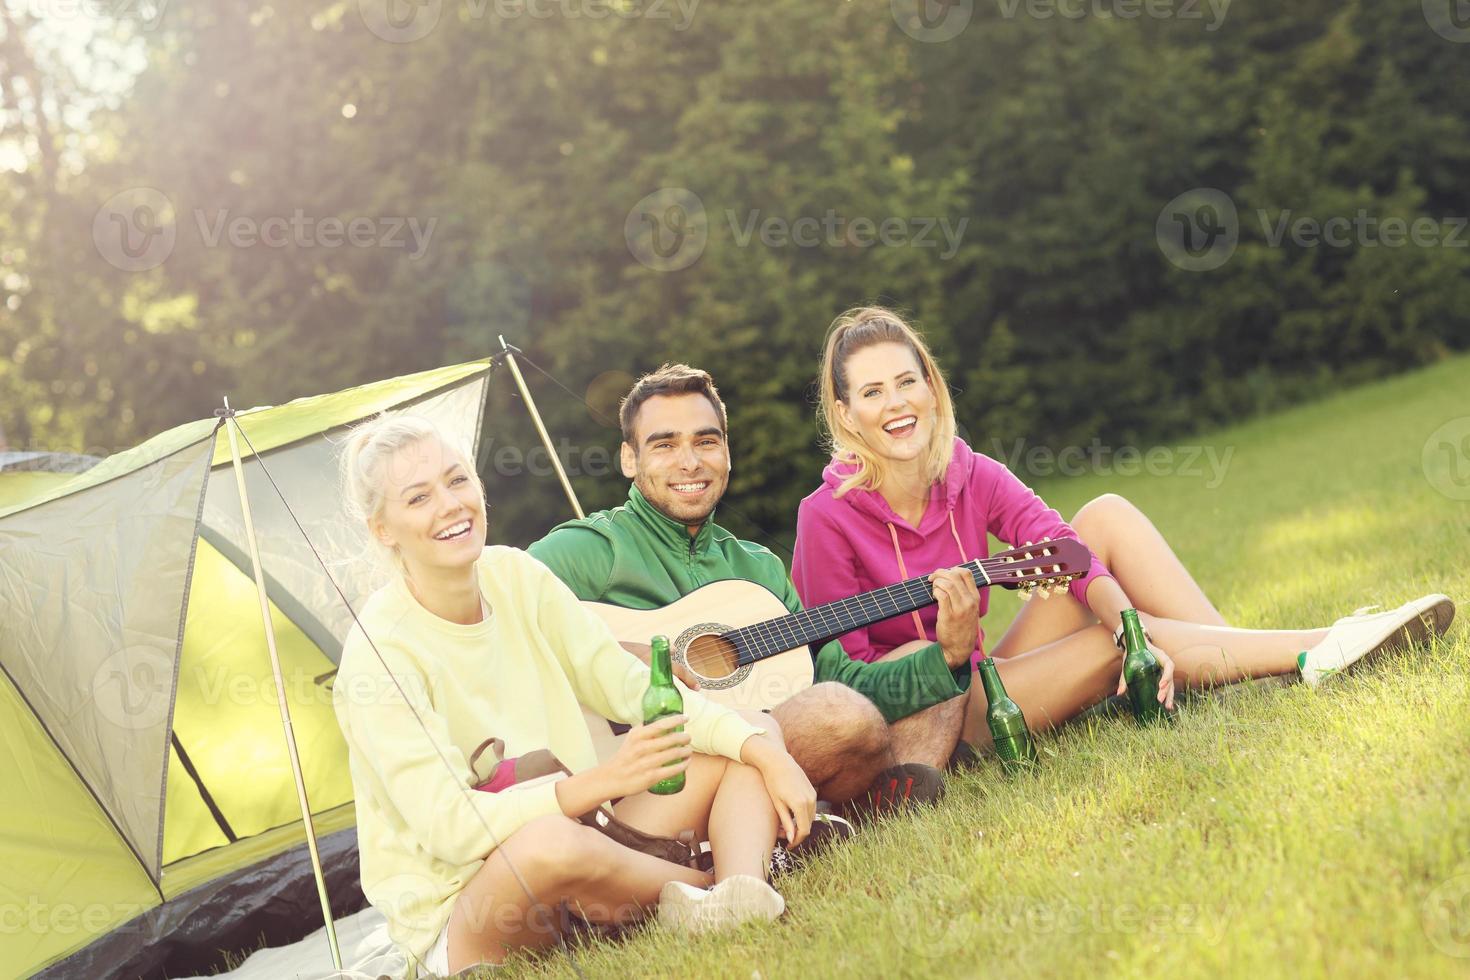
[963, 757]
[827, 830]
[898, 788]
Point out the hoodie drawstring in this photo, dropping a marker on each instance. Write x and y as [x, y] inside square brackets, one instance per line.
[958, 543]
[903, 571]
[898, 553]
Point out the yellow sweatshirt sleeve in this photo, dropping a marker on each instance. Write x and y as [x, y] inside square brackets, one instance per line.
[424, 777]
[611, 681]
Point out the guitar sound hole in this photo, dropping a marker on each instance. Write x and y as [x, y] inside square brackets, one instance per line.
[712, 657]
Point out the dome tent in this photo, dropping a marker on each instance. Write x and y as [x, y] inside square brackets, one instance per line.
[150, 798]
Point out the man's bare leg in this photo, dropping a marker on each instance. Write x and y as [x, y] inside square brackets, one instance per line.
[929, 736]
[838, 737]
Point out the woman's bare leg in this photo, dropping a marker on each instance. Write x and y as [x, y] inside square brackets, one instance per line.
[1053, 683]
[724, 802]
[1140, 559]
[1208, 655]
[1056, 660]
[1174, 609]
[557, 859]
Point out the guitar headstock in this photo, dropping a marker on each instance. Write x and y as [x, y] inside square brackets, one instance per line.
[1045, 566]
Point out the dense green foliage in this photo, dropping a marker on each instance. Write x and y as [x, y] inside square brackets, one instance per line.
[1047, 145]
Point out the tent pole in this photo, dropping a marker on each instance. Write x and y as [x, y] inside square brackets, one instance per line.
[270, 642]
[561, 474]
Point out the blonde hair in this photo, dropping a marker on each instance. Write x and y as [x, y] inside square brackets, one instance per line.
[851, 332]
[369, 448]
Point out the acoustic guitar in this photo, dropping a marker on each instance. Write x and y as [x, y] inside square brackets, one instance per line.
[750, 653]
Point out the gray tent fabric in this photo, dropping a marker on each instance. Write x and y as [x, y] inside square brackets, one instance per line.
[46, 462]
[306, 474]
[106, 571]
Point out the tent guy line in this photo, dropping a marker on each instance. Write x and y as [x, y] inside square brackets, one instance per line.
[466, 791]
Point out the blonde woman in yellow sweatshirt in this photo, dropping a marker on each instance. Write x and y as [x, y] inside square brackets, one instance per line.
[483, 641]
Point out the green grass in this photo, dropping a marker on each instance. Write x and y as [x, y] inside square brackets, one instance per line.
[1275, 830]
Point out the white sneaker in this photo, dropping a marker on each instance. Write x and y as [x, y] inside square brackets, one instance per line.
[737, 899]
[1359, 637]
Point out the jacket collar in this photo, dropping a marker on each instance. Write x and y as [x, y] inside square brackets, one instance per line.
[666, 531]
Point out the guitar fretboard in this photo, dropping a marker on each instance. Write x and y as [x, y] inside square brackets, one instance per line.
[775, 636]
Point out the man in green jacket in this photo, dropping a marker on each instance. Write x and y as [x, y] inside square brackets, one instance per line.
[861, 726]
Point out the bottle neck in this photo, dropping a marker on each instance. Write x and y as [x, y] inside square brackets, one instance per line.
[660, 667]
[1133, 632]
[990, 679]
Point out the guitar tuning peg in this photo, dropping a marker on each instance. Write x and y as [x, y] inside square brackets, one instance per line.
[1024, 592]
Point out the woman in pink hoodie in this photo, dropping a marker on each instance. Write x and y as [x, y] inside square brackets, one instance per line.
[905, 497]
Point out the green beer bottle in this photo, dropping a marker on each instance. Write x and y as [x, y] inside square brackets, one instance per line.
[1007, 725]
[661, 700]
[1141, 672]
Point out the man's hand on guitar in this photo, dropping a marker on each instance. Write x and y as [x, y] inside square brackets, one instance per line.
[644, 652]
[959, 614]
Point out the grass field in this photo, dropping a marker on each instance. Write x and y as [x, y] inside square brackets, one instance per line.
[1276, 830]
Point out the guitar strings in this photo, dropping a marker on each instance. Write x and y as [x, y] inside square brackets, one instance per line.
[776, 636]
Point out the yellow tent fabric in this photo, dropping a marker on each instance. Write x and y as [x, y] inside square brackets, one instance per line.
[88, 882]
[83, 619]
[227, 720]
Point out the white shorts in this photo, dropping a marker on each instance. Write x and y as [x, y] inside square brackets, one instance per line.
[436, 960]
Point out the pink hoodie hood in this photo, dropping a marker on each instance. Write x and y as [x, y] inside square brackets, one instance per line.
[946, 491]
[856, 543]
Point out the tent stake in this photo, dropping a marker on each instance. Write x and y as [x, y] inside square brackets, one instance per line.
[270, 642]
[561, 474]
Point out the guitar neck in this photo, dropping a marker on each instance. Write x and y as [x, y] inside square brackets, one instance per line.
[824, 622]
